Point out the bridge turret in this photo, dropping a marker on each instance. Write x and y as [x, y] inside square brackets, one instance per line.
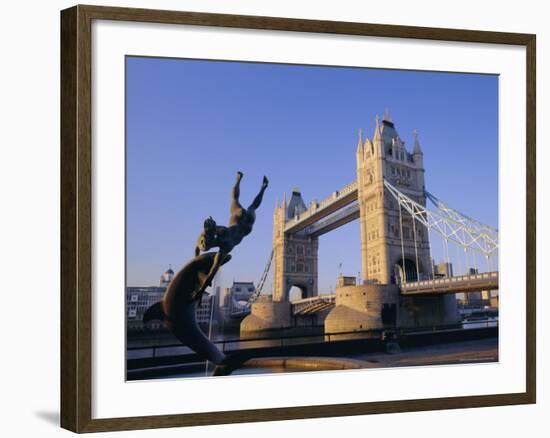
[393, 145]
[418, 155]
[377, 140]
[360, 147]
[369, 147]
[296, 205]
[418, 158]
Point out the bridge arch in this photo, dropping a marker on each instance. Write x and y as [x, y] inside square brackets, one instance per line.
[298, 290]
[406, 270]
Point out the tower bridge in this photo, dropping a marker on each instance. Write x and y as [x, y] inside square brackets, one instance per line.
[399, 284]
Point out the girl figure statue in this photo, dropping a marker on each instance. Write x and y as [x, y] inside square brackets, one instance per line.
[226, 238]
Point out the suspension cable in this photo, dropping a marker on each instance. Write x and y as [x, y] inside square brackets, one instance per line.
[430, 248]
[450, 223]
[403, 271]
[459, 265]
[446, 249]
[416, 250]
[466, 255]
[487, 255]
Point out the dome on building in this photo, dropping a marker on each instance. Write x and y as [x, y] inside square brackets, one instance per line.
[166, 278]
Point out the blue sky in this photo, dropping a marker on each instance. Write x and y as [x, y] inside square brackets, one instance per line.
[192, 124]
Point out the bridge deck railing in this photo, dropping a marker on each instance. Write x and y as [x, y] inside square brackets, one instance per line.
[490, 278]
[313, 299]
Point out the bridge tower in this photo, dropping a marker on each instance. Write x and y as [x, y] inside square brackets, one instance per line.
[294, 264]
[294, 255]
[392, 245]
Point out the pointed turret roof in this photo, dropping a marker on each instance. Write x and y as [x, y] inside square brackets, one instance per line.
[360, 143]
[296, 205]
[377, 132]
[387, 129]
[416, 148]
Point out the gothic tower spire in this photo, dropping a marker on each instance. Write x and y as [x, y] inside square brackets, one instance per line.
[416, 149]
[377, 132]
[360, 147]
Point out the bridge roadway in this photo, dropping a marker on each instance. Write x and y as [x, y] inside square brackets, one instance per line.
[333, 221]
[438, 286]
[308, 306]
[452, 285]
[319, 210]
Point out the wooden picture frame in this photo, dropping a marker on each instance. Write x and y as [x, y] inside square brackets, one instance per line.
[76, 217]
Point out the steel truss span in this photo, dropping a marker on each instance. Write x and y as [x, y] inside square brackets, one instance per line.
[452, 225]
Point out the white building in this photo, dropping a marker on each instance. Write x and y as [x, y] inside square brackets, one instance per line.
[242, 290]
[236, 296]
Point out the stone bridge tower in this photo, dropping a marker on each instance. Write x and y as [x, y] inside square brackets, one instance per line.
[294, 255]
[394, 247]
[384, 254]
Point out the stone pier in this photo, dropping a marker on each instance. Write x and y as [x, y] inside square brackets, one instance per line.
[362, 307]
[265, 315]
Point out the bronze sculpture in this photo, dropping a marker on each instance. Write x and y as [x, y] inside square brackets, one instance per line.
[226, 238]
[184, 293]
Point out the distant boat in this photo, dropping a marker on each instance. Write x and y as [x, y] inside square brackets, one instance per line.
[480, 318]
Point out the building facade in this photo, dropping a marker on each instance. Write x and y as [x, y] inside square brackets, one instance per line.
[140, 298]
[236, 296]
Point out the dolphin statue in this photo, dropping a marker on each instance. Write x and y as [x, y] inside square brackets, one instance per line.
[179, 304]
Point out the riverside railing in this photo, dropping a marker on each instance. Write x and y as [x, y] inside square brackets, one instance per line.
[290, 340]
